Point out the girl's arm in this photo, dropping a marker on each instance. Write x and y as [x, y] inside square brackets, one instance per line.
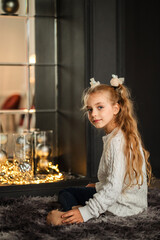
[112, 185]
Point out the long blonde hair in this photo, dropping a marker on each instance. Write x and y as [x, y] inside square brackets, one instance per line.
[127, 122]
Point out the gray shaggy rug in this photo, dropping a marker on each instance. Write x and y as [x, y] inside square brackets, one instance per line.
[25, 219]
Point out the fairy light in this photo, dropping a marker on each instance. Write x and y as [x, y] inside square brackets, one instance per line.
[11, 175]
[19, 169]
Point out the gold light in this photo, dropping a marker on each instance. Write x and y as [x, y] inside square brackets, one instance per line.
[11, 175]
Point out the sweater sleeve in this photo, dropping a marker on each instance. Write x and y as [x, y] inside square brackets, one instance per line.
[113, 183]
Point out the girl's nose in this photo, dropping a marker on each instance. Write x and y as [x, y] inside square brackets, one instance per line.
[94, 113]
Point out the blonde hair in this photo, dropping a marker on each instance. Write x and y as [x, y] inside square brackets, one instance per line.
[127, 122]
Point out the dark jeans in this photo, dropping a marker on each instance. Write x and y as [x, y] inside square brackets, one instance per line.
[74, 196]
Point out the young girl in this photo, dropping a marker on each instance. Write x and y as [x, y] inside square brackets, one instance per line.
[122, 186]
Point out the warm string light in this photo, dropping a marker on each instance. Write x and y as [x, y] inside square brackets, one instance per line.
[11, 175]
[19, 169]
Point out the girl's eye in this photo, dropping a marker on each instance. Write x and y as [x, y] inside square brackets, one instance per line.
[100, 107]
[89, 110]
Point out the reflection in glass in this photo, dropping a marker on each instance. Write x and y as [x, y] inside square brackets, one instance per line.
[13, 90]
[22, 146]
[45, 76]
[31, 7]
[45, 45]
[43, 151]
[13, 46]
[16, 122]
[27, 81]
[23, 152]
[32, 54]
[32, 88]
[19, 7]
[3, 150]
[27, 58]
[45, 8]
[46, 121]
[3, 141]
[34, 8]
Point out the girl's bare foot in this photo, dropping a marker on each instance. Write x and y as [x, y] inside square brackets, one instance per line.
[55, 217]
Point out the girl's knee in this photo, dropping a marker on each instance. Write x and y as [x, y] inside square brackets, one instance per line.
[60, 194]
[65, 190]
[63, 194]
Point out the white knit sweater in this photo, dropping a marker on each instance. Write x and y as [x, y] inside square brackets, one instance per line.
[111, 172]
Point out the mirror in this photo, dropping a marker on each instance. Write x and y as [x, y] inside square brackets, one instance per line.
[27, 62]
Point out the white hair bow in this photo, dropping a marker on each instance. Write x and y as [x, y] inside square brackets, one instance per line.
[93, 83]
[115, 81]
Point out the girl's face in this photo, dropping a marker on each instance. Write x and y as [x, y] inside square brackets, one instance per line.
[101, 112]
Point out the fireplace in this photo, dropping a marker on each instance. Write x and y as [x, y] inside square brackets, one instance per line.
[29, 166]
[43, 77]
[45, 72]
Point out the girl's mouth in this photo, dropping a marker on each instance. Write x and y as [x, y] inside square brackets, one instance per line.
[97, 120]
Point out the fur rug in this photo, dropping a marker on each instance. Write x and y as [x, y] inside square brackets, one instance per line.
[25, 219]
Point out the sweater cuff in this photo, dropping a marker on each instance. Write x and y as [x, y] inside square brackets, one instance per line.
[97, 186]
[85, 213]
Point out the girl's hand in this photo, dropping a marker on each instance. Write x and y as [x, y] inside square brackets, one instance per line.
[91, 185]
[73, 216]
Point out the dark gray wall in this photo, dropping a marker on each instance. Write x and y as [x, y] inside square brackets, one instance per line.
[71, 74]
[142, 63]
[101, 64]
[126, 41]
